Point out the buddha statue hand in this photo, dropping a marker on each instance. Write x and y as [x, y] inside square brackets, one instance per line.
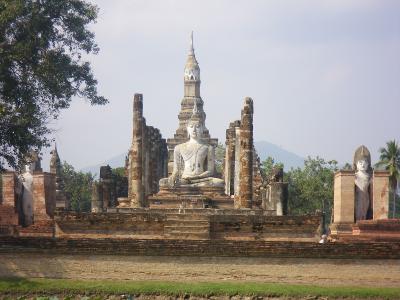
[172, 180]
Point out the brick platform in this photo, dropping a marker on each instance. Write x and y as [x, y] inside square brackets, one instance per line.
[190, 224]
[373, 231]
[207, 248]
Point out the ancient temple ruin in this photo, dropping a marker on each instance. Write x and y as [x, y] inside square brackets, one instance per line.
[158, 171]
[171, 190]
[361, 202]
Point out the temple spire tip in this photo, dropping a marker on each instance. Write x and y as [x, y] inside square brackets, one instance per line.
[191, 50]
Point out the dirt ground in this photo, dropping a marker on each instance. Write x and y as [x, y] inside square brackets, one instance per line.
[324, 272]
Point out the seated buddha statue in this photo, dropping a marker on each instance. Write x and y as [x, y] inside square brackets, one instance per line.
[194, 161]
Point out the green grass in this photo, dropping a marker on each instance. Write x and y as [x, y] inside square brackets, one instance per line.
[66, 286]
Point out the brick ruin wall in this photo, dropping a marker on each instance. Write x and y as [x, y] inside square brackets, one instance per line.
[11, 212]
[152, 225]
[206, 248]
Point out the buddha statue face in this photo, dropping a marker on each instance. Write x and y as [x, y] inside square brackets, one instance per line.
[362, 160]
[362, 165]
[195, 130]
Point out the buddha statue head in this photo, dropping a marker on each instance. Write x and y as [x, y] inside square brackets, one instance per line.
[362, 160]
[32, 162]
[195, 127]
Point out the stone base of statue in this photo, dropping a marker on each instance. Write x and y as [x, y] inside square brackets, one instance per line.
[191, 197]
[341, 229]
[387, 230]
[123, 202]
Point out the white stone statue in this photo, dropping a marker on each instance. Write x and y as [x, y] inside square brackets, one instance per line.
[362, 166]
[27, 192]
[194, 161]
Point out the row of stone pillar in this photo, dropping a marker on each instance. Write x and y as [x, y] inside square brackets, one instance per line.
[238, 171]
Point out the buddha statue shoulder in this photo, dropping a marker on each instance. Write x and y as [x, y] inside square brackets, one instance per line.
[194, 161]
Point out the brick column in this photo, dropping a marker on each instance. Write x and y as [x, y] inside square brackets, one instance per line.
[245, 195]
[97, 199]
[8, 209]
[343, 202]
[136, 192]
[229, 170]
[9, 180]
[278, 197]
[44, 196]
[380, 195]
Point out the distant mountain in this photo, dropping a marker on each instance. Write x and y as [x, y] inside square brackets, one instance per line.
[289, 159]
[264, 149]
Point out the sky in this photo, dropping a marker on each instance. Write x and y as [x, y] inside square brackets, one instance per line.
[324, 74]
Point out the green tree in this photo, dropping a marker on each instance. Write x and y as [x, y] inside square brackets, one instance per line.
[347, 167]
[268, 165]
[78, 187]
[41, 69]
[390, 160]
[311, 187]
[120, 181]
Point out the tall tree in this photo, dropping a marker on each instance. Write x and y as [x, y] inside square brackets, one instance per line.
[78, 187]
[311, 187]
[41, 69]
[390, 160]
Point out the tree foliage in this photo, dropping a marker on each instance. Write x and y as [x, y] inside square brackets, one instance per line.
[41, 69]
[390, 161]
[78, 187]
[268, 165]
[311, 188]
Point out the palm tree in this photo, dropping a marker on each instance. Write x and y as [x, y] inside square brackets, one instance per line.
[390, 159]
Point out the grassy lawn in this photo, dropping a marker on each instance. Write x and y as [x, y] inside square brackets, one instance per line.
[49, 286]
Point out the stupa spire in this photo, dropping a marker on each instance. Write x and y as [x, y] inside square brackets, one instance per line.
[192, 69]
[191, 49]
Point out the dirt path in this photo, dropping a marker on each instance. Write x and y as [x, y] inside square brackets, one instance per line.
[298, 271]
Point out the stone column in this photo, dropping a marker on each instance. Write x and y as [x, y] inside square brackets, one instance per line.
[229, 169]
[164, 168]
[9, 184]
[245, 194]
[277, 197]
[107, 187]
[8, 209]
[44, 196]
[136, 191]
[97, 199]
[343, 202]
[380, 195]
[258, 180]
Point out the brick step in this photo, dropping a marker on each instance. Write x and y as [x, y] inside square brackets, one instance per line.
[187, 223]
[189, 217]
[188, 236]
[185, 230]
